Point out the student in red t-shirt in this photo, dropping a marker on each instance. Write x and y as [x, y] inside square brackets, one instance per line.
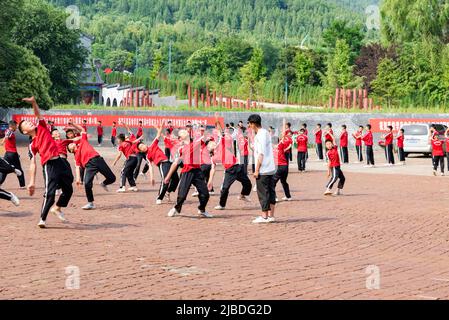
[127, 148]
[168, 143]
[140, 155]
[11, 155]
[189, 159]
[114, 133]
[437, 154]
[233, 171]
[100, 133]
[367, 138]
[282, 166]
[154, 155]
[244, 150]
[358, 144]
[301, 141]
[389, 146]
[344, 144]
[84, 126]
[328, 132]
[88, 158]
[56, 173]
[446, 136]
[318, 133]
[400, 143]
[334, 169]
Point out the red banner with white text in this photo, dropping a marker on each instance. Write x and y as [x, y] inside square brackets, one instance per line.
[380, 125]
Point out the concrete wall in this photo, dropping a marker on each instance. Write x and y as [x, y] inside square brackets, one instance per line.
[352, 120]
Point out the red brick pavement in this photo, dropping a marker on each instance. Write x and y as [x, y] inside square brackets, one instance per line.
[319, 248]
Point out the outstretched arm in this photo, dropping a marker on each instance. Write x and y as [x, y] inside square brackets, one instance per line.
[32, 101]
[117, 158]
[173, 169]
[77, 127]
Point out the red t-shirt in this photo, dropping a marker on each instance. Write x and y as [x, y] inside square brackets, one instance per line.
[401, 141]
[114, 132]
[62, 146]
[128, 148]
[84, 126]
[191, 156]
[168, 142]
[139, 132]
[243, 145]
[344, 139]
[334, 157]
[368, 138]
[10, 141]
[447, 145]
[389, 138]
[437, 148]
[279, 154]
[205, 155]
[224, 156]
[155, 154]
[44, 144]
[84, 152]
[100, 130]
[328, 135]
[301, 141]
[319, 137]
[358, 141]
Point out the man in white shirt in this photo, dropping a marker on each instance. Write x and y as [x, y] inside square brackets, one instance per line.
[264, 171]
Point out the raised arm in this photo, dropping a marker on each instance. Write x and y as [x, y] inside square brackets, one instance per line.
[77, 127]
[32, 101]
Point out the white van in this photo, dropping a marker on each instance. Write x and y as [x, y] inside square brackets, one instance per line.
[416, 137]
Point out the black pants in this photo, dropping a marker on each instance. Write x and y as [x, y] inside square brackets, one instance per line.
[402, 155]
[164, 169]
[369, 155]
[359, 151]
[389, 156]
[94, 166]
[235, 173]
[288, 156]
[193, 177]
[302, 161]
[438, 160]
[5, 169]
[128, 172]
[337, 174]
[100, 139]
[140, 157]
[82, 173]
[168, 153]
[245, 163]
[319, 151]
[266, 192]
[253, 164]
[113, 141]
[5, 195]
[57, 175]
[282, 174]
[344, 154]
[205, 169]
[13, 159]
[234, 145]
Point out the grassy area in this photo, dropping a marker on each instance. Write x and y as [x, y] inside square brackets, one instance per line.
[418, 110]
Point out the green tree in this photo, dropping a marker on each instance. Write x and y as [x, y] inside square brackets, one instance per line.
[304, 67]
[157, 65]
[387, 83]
[42, 29]
[253, 72]
[341, 30]
[119, 60]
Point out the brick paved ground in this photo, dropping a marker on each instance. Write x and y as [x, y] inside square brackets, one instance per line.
[320, 248]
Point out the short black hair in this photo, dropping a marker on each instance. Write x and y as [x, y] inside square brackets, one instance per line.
[255, 119]
[302, 130]
[368, 126]
[288, 124]
[121, 136]
[319, 125]
[54, 130]
[84, 120]
[402, 130]
[390, 127]
[344, 126]
[231, 124]
[69, 130]
[330, 125]
[304, 125]
[12, 123]
[328, 140]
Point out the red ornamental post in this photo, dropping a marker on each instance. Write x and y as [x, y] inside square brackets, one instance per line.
[370, 101]
[349, 98]
[255, 105]
[196, 98]
[354, 98]
[248, 104]
[330, 102]
[365, 103]
[189, 95]
[220, 100]
[207, 98]
[214, 98]
[343, 94]
[150, 102]
[360, 98]
[337, 98]
[202, 99]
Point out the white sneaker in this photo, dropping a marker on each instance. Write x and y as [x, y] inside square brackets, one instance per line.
[121, 190]
[18, 172]
[435, 173]
[286, 199]
[367, 166]
[219, 208]
[99, 145]
[58, 214]
[58, 192]
[261, 219]
[277, 200]
[211, 193]
[158, 201]
[195, 194]
[328, 192]
[105, 187]
[271, 219]
[41, 224]
[442, 174]
[133, 189]
[244, 198]
[167, 196]
[15, 200]
[89, 206]
[22, 188]
[173, 212]
[144, 175]
[338, 192]
[205, 214]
